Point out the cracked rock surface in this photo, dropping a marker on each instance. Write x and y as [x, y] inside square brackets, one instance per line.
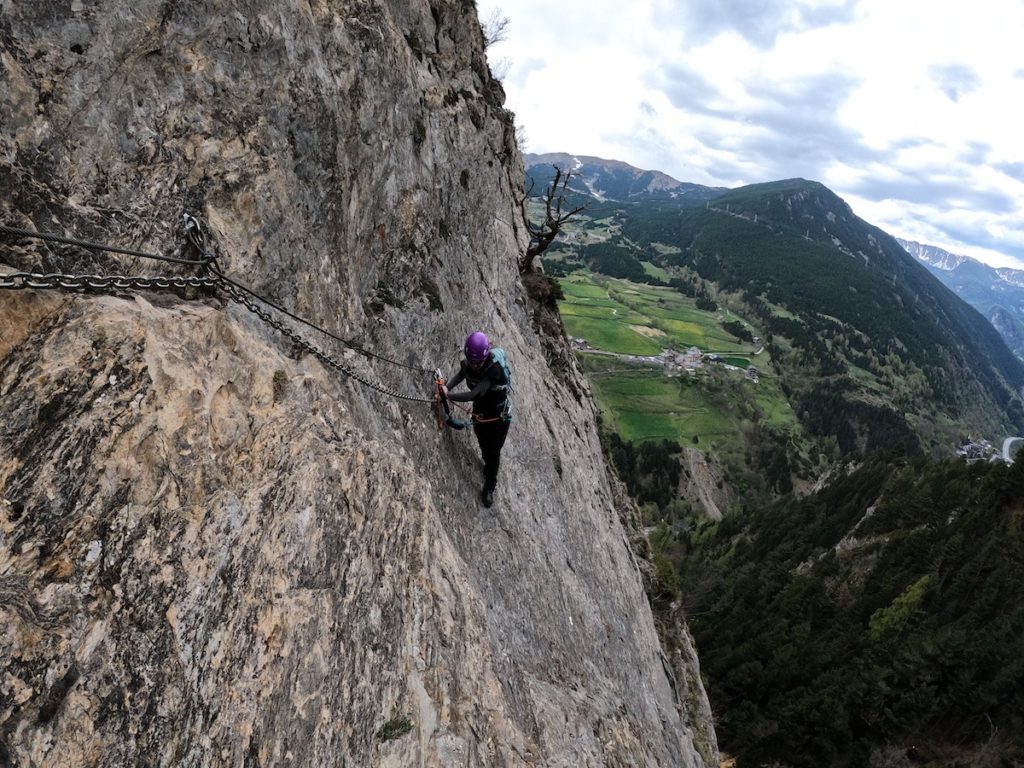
[214, 548]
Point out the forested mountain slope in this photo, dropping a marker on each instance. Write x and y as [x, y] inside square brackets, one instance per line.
[853, 302]
[876, 619]
[877, 622]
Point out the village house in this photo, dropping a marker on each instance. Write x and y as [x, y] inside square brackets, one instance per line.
[691, 358]
[976, 450]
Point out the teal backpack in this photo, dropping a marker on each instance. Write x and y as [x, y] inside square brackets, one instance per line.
[499, 358]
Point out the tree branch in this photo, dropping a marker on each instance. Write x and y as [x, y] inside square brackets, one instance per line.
[542, 235]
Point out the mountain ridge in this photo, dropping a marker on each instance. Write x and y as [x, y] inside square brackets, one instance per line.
[614, 180]
[998, 293]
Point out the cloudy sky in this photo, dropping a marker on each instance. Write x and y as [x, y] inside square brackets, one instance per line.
[910, 110]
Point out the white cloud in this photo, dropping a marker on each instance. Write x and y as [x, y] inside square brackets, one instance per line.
[905, 109]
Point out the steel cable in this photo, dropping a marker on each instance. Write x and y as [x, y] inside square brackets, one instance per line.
[18, 232]
[316, 327]
[55, 280]
[198, 239]
[322, 356]
[235, 290]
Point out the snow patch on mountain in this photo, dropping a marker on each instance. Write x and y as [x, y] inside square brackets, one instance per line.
[933, 256]
[1011, 276]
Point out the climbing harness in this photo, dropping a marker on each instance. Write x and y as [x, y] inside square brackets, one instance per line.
[213, 280]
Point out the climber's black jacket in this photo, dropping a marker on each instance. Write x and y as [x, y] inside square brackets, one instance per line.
[488, 388]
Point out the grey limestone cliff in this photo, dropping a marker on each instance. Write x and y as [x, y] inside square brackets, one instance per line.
[216, 550]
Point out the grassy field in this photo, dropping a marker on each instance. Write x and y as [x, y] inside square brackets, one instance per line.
[581, 287]
[612, 335]
[646, 405]
[642, 403]
[739, 362]
[709, 411]
[628, 305]
[655, 271]
[591, 312]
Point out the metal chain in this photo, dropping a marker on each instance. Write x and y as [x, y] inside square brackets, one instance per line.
[314, 326]
[37, 280]
[196, 235]
[322, 356]
[18, 280]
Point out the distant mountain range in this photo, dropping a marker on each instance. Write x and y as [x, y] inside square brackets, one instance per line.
[872, 349]
[605, 180]
[998, 293]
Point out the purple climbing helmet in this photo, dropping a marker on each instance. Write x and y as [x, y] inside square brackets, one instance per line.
[477, 348]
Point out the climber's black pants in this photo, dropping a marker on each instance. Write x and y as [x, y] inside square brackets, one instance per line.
[491, 436]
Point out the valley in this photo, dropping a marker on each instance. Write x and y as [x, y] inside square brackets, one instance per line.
[789, 398]
[663, 369]
[868, 351]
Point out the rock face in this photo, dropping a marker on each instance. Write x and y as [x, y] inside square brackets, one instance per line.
[702, 480]
[215, 550]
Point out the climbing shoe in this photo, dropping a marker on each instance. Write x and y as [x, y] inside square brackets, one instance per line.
[487, 497]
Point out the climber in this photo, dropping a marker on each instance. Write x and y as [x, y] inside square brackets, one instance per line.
[486, 373]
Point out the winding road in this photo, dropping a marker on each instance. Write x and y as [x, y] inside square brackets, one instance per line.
[1006, 447]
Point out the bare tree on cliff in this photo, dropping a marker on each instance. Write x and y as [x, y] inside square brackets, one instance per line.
[542, 235]
[495, 28]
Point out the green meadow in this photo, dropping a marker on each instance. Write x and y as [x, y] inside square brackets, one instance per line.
[739, 362]
[655, 271]
[642, 403]
[635, 319]
[639, 402]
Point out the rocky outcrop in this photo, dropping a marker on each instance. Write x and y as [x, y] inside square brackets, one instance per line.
[216, 550]
[703, 480]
